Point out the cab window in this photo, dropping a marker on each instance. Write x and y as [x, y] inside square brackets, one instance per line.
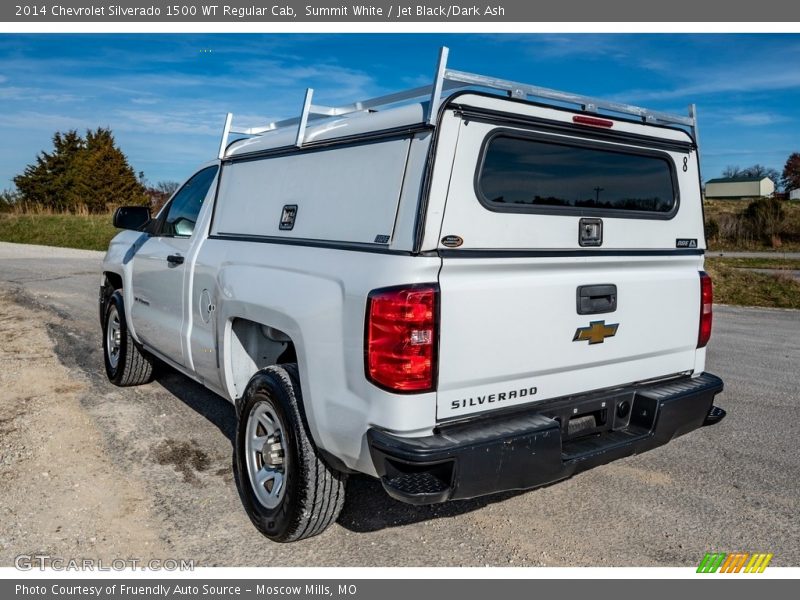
[181, 215]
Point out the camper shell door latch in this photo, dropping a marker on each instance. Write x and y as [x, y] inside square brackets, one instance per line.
[590, 232]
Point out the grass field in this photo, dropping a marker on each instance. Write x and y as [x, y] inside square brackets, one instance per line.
[738, 286]
[757, 263]
[89, 232]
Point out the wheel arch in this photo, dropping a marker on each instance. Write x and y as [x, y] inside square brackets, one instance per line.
[249, 346]
[110, 283]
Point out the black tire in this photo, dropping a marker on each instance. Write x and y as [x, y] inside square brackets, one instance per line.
[313, 492]
[133, 365]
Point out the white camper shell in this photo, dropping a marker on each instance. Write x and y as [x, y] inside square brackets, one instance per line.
[465, 288]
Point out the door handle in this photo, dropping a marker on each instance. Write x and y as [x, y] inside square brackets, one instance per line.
[175, 259]
[597, 299]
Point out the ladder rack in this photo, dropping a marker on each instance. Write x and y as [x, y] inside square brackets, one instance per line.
[445, 80]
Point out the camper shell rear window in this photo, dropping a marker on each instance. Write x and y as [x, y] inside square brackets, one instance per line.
[538, 173]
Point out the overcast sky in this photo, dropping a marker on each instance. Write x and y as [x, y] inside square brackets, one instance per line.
[165, 96]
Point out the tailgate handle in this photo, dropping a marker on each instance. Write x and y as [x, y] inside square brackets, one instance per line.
[175, 259]
[597, 299]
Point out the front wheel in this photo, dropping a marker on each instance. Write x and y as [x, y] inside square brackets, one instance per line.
[288, 491]
[126, 364]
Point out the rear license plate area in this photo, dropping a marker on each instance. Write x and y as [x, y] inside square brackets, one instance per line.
[592, 416]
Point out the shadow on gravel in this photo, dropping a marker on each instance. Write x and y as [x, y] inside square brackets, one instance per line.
[218, 411]
[368, 508]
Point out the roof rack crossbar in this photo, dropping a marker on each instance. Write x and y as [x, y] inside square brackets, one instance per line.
[446, 79]
[521, 90]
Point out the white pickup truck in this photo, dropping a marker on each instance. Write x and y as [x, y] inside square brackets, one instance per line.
[456, 289]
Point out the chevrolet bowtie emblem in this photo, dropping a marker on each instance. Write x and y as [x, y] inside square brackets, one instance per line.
[595, 333]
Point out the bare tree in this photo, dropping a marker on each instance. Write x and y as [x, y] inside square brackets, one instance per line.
[160, 193]
[756, 170]
[167, 187]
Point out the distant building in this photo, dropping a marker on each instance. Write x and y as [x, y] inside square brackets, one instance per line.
[794, 194]
[735, 188]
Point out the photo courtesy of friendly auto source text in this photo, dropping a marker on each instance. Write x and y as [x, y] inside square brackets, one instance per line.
[454, 298]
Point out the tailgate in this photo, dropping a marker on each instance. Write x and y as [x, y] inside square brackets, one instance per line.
[571, 261]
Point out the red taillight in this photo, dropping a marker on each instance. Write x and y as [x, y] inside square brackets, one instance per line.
[706, 300]
[401, 338]
[593, 121]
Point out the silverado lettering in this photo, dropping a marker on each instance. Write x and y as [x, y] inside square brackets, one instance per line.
[490, 398]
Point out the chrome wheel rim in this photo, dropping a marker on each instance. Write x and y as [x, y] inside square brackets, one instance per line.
[113, 337]
[267, 458]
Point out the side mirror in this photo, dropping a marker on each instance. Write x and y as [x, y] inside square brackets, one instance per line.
[131, 217]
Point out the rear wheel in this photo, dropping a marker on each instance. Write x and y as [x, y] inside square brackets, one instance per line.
[289, 492]
[126, 364]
